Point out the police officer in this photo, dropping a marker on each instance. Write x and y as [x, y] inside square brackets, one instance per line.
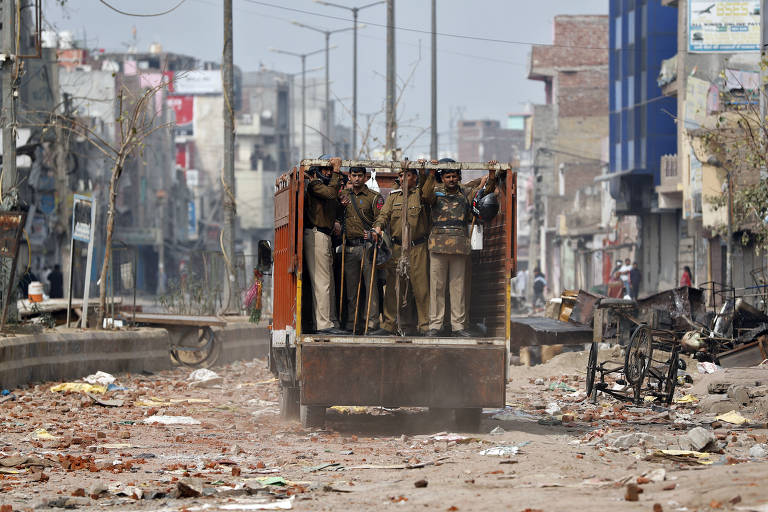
[449, 245]
[361, 207]
[320, 208]
[390, 219]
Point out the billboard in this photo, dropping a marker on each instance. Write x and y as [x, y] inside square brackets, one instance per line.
[723, 25]
[197, 82]
[184, 107]
[82, 218]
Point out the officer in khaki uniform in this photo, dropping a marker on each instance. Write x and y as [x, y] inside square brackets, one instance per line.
[361, 207]
[390, 219]
[449, 245]
[321, 205]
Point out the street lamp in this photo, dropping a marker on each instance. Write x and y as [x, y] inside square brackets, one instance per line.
[303, 57]
[327, 74]
[354, 63]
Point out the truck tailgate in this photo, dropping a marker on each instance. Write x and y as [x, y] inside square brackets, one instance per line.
[402, 374]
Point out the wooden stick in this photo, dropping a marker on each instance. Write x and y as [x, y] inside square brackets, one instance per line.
[370, 287]
[357, 299]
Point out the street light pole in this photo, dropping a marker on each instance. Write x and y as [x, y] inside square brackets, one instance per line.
[303, 57]
[354, 10]
[433, 138]
[327, 34]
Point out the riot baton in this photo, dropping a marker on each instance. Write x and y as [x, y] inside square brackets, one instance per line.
[370, 287]
[343, 253]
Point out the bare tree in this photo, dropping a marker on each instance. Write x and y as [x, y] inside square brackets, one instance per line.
[136, 120]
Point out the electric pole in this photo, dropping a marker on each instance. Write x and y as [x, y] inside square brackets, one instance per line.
[9, 102]
[354, 10]
[327, 138]
[228, 239]
[391, 139]
[303, 57]
[433, 138]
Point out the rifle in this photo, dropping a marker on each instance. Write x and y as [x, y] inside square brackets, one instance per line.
[403, 270]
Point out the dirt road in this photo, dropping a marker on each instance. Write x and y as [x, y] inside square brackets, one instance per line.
[559, 452]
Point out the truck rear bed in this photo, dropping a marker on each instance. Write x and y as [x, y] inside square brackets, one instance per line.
[402, 372]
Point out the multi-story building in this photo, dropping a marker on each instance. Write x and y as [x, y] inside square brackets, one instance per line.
[642, 129]
[713, 76]
[569, 230]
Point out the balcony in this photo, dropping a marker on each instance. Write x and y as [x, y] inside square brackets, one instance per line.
[670, 191]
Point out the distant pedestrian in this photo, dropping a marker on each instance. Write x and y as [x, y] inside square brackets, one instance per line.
[624, 276]
[635, 276]
[539, 285]
[687, 278]
[56, 281]
[615, 288]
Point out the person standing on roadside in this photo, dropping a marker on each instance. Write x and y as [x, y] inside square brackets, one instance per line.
[321, 205]
[687, 278]
[624, 276]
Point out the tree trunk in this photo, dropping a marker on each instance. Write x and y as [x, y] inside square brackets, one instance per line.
[116, 171]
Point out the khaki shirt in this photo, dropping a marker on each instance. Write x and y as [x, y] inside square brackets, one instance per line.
[321, 202]
[369, 204]
[390, 217]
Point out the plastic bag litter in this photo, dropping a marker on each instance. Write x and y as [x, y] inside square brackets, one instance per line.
[203, 377]
[707, 367]
[497, 431]
[172, 420]
[78, 387]
[687, 399]
[553, 409]
[42, 435]
[101, 378]
[501, 451]
[560, 385]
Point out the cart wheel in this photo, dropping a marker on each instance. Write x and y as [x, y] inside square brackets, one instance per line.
[468, 419]
[289, 402]
[312, 416]
[671, 382]
[591, 368]
[197, 348]
[639, 352]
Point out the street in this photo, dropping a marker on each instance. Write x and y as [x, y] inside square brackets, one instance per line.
[550, 450]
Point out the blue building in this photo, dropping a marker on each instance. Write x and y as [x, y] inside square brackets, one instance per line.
[642, 34]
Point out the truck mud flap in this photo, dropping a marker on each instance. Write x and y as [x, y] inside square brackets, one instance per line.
[402, 375]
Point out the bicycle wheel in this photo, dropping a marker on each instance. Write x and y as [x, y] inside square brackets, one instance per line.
[639, 352]
[591, 368]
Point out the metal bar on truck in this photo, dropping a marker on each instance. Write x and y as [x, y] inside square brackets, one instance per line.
[413, 164]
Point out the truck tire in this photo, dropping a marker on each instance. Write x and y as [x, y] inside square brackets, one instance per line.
[312, 416]
[289, 402]
[468, 419]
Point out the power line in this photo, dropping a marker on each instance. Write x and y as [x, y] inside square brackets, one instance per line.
[140, 15]
[420, 31]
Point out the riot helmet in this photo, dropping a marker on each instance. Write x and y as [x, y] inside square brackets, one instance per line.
[485, 207]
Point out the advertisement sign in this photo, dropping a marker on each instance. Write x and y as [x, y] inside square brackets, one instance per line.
[197, 82]
[723, 25]
[81, 218]
[184, 107]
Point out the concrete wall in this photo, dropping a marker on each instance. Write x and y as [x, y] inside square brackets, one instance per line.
[73, 354]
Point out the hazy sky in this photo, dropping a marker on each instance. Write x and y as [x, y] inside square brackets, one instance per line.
[476, 79]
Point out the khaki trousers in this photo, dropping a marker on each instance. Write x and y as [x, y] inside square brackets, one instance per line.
[351, 280]
[447, 270]
[318, 265]
[418, 287]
